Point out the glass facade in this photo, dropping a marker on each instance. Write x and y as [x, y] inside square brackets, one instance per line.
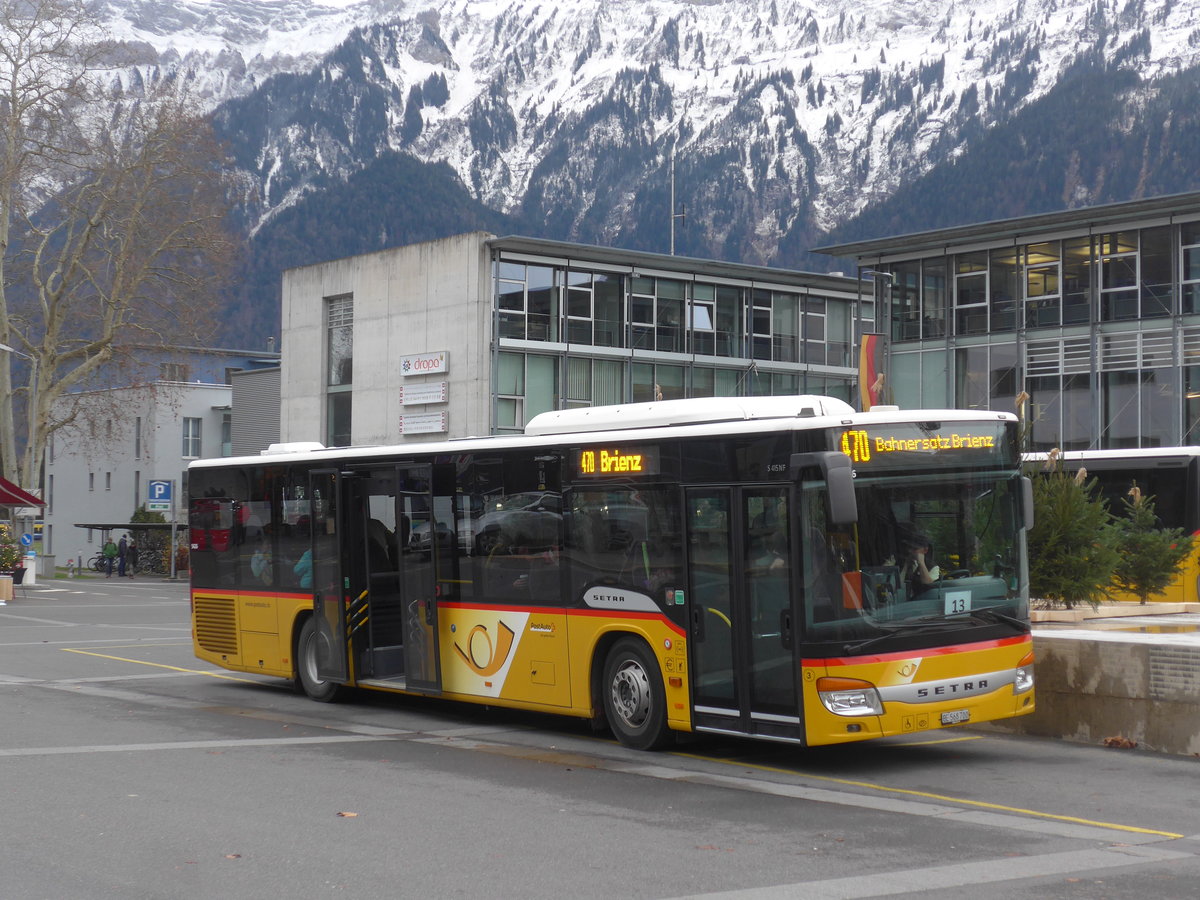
[1101, 330]
[570, 336]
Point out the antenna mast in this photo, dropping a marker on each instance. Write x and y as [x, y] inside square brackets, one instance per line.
[682, 214]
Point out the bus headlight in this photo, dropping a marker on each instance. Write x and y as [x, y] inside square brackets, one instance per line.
[1023, 677]
[849, 697]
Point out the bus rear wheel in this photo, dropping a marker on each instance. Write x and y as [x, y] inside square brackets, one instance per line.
[635, 702]
[307, 679]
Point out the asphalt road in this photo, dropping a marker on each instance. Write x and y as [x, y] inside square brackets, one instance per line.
[128, 769]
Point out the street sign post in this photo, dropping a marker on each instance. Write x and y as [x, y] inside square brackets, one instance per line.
[158, 499]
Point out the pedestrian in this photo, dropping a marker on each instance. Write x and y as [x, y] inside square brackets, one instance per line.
[132, 557]
[110, 556]
[122, 554]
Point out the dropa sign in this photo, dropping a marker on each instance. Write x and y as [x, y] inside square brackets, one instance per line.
[425, 363]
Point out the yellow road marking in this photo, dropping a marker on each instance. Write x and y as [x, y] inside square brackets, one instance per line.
[953, 740]
[141, 662]
[996, 807]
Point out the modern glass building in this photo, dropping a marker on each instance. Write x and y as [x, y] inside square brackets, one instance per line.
[476, 334]
[1093, 313]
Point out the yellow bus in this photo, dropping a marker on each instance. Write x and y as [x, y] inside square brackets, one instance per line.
[782, 568]
[1171, 475]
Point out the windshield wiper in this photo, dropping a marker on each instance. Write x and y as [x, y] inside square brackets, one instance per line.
[891, 631]
[992, 616]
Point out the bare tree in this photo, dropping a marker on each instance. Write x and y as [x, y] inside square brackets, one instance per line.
[112, 218]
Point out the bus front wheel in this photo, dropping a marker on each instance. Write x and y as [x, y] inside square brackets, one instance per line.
[307, 679]
[634, 700]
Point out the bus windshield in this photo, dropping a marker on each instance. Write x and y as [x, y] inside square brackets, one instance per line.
[931, 554]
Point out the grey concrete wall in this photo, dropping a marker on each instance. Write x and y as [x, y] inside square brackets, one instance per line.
[1091, 687]
[421, 298]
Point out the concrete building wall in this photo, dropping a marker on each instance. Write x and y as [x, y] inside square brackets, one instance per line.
[422, 298]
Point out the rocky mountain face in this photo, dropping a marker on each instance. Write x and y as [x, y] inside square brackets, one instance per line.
[787, 123]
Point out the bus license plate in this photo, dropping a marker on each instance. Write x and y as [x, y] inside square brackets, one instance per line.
[956, 717]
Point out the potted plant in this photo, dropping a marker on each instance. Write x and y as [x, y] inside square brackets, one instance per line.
[10, 551]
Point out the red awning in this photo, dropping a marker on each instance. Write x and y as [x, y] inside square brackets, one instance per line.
[11, 495]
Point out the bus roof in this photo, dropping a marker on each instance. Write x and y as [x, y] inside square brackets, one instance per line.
[1119, 459]
[695, 417]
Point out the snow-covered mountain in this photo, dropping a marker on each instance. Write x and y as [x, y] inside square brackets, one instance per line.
[786, 118]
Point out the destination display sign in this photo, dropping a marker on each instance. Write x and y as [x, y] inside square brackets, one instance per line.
[616, 462]
[912, 444]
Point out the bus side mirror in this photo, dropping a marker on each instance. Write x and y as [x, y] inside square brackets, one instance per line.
[1027, 501]
[839, 482]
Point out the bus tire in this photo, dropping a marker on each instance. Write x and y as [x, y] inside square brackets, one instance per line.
[635, 702]
[307, 680]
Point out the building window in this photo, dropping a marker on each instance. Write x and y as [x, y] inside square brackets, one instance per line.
[173, 372]
[191, 438]
[108, 481]
[970, 293]
[593, 382]
[1004, 288]
[657, 382]
[656, 314]
[227, 434]
[339, 352]
[933, 297]
[137, 489]
[339, 325]
[1062, 401]
[708, 382]
[594, 309]
[527, 301]
[906, 301]
[1077, 281]
[137, 437]
[91, 481]
[768, 384]
[774, 326]
[986, 377]
[1043, 280]
[1138, 402]
[526, 384]
[731, 334]
[1189, 235]
[816, 344]
[1157, 287]
[338, 420]
[1117, 256]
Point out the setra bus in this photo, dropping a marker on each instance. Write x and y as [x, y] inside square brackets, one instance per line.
[1171, 476]
[782, 568]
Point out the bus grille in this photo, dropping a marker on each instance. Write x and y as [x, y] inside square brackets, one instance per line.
[216, 625]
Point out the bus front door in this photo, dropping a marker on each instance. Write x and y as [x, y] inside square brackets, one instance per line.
[744, 668]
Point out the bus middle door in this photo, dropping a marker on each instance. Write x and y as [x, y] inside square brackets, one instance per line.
[418, 576]
[330, 601]
[744, 667]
